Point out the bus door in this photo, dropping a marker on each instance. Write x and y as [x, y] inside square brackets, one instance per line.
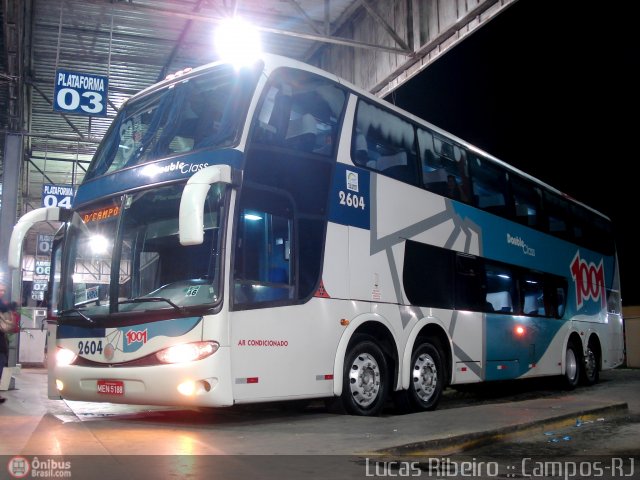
[275, 332]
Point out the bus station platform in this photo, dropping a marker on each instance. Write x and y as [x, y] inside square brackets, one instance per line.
[31, 424]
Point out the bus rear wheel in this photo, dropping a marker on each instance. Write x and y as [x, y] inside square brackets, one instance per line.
[365, 381]
[591, 367]
[573, 366]
[427, 380]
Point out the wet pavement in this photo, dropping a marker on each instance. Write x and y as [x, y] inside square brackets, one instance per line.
[282, 439]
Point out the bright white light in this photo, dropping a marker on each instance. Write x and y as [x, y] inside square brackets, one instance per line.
[98, 244]
[151, 170]
[252, 217]
[187, 388]
[64, 356]
[187, 352]
[237, 42]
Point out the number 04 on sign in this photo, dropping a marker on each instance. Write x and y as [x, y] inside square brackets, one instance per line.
[57, 195]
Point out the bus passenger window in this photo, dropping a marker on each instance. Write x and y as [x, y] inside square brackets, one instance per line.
[555, 296]
[434, 175]
[444, 167]
[302, 133]
[561, 301]
[534, 302]
[558, 214]
[428, 275]
[470, 283]
[263, 266]
[389, 140]
[526, 201]
[360, 150]
[301, 112]
[488, 185]
[500, 289]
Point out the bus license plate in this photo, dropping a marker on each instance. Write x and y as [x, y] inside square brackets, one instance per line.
[111, 387]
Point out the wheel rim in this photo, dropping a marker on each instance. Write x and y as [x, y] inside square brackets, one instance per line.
[590, 364]
[364, 379]
[572, 365]
[425, 377]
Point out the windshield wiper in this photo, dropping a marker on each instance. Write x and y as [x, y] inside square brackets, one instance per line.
[79, 312]
[150, 299]
[87, 302]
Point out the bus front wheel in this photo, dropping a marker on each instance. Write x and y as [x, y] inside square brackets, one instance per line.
[365, 381]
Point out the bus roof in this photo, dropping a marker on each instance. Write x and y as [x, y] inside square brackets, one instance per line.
[272, 62]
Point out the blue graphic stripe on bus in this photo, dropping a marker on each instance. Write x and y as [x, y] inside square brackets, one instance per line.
[72, 331]
[511, 353]
[137, 335]
[350, 200]
[510, 242]
[155, 172]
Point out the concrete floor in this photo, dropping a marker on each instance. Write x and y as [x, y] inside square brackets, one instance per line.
[280, 441]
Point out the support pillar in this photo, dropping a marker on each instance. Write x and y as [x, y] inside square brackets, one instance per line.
[8, 216]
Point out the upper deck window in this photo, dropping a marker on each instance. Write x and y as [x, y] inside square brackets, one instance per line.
[300, 111]
[383, 141]
[203, 111]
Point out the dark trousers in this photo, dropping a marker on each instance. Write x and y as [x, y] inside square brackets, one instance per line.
[3, 362]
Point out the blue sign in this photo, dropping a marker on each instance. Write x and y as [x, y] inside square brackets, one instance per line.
[350, 200]
[57, 195]
[80, 93]
[45, 241]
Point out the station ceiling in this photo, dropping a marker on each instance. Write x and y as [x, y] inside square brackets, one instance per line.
[138, 42]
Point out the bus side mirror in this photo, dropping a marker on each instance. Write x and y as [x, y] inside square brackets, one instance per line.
[28, 220]
[191, 218]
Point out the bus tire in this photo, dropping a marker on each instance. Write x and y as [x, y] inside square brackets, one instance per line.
[573, 366]
[365, 383]
[427, 380]
[591, 367]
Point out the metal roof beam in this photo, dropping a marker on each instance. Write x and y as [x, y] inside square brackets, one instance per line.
[373, 12]
[66, 160]
[40, 171]
[305, 17]
[64, 138]
[179, 43]
[337, 25]
[112, 105]
[216, 20]
[384, 87]
[96, 33]
[66, 119]
[12, 29]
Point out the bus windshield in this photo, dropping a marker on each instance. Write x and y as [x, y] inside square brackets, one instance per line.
[204, 111]
[125, 256]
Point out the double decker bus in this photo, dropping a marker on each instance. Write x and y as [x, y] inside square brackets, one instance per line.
[273, 233]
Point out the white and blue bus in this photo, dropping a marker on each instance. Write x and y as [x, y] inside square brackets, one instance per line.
[274, 233]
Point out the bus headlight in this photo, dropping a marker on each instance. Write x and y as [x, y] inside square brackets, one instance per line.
[65, 357]
[187, 352]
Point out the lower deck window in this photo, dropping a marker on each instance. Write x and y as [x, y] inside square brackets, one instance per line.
[441, 278]
[263, 265]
